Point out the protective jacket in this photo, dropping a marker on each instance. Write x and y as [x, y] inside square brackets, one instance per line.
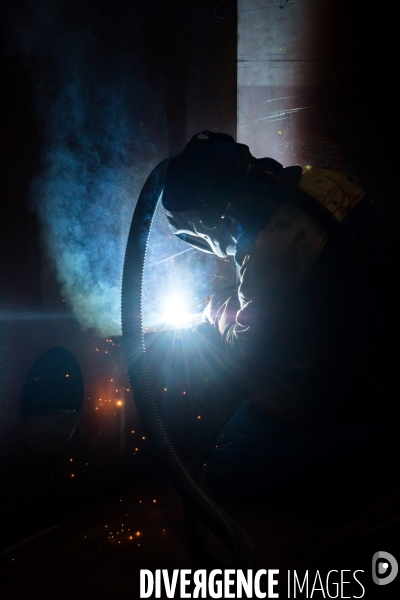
[310, 324]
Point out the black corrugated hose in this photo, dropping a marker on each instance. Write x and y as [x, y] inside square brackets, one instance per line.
[218, 521]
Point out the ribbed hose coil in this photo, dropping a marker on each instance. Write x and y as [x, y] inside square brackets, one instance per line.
[220, 523]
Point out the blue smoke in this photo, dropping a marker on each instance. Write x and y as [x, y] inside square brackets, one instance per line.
[91, 101]
[100, 108]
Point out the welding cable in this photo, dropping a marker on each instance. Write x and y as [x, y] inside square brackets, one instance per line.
[213, 516]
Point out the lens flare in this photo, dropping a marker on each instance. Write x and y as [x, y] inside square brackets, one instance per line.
[177, 313]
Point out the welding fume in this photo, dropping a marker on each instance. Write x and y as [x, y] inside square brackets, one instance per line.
[309, 328]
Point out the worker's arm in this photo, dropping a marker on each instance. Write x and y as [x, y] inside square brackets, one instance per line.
[254, 327]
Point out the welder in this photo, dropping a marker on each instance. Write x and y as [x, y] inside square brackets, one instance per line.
[309, 328]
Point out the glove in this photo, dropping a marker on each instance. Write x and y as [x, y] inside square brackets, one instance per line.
[222, 308]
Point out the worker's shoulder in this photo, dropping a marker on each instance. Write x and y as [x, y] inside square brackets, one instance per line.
[338, 191]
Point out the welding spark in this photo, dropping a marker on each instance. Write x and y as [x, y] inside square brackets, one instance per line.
[278, 115]
[170, 257]
[176, 312]
[283, 98]
[281, 4]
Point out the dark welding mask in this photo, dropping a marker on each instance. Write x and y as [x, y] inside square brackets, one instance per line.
[205, 231]
[215, 190]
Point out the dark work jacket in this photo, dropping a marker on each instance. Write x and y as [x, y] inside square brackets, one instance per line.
[318, 352]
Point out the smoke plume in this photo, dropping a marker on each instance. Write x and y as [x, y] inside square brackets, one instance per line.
[97, 112]
[99, 100]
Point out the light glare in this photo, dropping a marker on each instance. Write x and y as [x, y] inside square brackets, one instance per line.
[176, 312]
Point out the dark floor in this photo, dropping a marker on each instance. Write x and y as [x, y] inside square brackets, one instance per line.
[99, 554]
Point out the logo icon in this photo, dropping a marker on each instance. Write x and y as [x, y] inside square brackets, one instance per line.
[384, 568]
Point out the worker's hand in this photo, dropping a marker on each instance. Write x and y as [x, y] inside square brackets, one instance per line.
[222, 308]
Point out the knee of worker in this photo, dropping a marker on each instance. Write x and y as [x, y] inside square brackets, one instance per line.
[236, 466]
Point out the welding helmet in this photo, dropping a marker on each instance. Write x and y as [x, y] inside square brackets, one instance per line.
[204, 231]
[215, 191]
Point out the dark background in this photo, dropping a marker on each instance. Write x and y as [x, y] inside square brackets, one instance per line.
[184, 54]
